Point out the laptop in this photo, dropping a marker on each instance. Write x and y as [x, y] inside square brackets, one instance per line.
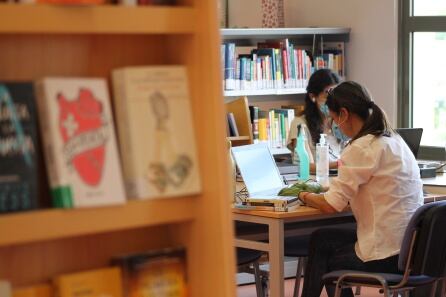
[412, 137]
[258, 170]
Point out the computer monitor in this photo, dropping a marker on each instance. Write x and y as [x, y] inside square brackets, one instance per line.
[412, 137]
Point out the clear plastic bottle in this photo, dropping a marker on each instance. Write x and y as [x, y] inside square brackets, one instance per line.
[301, 152]
[322, 161]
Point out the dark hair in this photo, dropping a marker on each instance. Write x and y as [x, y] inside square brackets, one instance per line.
[356, 99]
[317, 83]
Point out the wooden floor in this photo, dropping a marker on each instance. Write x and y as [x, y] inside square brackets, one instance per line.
[250, 291]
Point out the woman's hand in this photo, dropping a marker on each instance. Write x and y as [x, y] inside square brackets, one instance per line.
[317, 201]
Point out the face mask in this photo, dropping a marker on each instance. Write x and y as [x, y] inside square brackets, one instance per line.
[324, 109]
[338, 134]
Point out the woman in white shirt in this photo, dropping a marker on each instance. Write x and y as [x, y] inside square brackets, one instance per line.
[378, 177]
[315, 117]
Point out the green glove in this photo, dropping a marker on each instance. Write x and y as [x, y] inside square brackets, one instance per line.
[294, 190]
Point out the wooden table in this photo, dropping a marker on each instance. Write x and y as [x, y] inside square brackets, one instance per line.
[435, 185]
[276, 224]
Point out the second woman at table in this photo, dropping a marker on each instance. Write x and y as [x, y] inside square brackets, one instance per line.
[315, 118]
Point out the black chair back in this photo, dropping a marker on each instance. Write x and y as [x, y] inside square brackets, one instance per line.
[429, 256]
[414, 225]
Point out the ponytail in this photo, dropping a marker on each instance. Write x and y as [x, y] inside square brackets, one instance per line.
[375, 124]
[356, 99]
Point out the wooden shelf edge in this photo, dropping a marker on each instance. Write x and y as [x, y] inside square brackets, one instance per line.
[40, 225]
[238, 138]
[96, 19]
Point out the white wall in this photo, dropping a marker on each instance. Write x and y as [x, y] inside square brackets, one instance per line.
[245, 13]
[372, 50]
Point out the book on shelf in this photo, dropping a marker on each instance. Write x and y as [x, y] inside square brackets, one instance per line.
[20, 148]
[232, 124]
[92, 283]
[254, 117]
[79, 142]
[154, 273]
[40, 290]
[229, 68]
[156, 133]
[333, 55]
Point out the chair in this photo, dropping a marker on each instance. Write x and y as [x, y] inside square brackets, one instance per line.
[297, 246]
[422, 257]
[247, 261]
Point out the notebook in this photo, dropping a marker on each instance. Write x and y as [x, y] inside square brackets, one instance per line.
[258, 170]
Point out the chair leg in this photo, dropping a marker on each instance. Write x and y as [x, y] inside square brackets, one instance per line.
[443, 289]
[300, 268]
[259, 287]
[433, 289]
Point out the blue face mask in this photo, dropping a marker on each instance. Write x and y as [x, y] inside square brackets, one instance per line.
[324, 109]
[338, 133]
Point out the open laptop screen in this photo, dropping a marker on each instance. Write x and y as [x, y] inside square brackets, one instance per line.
[257, 167]
[412, 137]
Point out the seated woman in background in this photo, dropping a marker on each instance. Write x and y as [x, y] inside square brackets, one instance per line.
[378, 177]
[316, 120]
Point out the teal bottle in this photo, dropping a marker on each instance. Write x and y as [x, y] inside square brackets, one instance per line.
[304, 160]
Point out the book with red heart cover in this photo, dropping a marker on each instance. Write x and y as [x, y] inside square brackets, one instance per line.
[79, 142]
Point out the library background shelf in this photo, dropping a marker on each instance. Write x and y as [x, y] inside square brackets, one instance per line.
[267, 98]
[89, 41]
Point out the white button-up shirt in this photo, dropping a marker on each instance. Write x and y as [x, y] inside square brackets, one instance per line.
[380, 178]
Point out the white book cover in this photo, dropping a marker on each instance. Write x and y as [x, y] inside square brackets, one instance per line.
[155, 130]
[79, 142]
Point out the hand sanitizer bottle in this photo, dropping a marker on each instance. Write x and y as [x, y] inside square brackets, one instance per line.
[322, 162]
[304, 160]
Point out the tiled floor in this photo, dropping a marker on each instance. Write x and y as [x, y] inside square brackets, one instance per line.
[250, 291]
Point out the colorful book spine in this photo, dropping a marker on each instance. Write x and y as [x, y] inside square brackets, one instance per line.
[19, 148]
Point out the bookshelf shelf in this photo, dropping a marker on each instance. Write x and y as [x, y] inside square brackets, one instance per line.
[239, 138]
[104, 19]
[265, 92]
[57, 223]
[279, 33]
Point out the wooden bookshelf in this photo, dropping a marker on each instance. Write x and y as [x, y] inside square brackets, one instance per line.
[90, 41]
[239, 107]
[55, 223]
[239, 138]
[96, 19]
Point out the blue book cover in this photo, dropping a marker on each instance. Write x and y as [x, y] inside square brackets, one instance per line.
[19, 148]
